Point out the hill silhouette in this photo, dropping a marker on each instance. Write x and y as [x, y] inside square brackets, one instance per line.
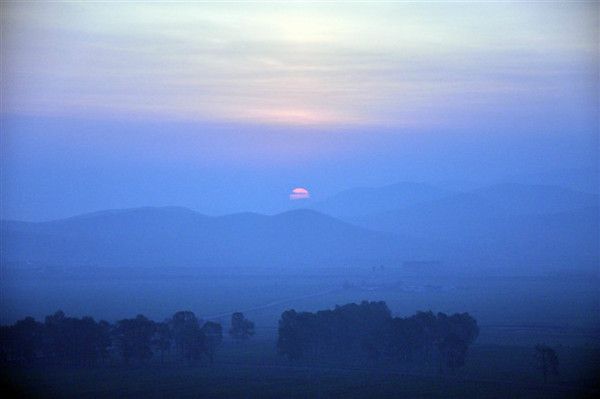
[181, 237]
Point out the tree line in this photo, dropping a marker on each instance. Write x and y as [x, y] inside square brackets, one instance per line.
[85, 342]
[367, 331]
[364, 332]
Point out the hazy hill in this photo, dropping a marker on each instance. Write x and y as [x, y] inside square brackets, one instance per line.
[181, 237]
[481, 207]
[368, 200]
[505, 197]
[536, 199]
[579, 179]
[507, 223]
[510, 222]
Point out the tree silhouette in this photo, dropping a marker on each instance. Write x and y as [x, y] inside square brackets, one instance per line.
[405, 338]
[241, 328]
[289, 342]
[23, 342]
[57, 345]
[134, 337]
[349, 333]
[162, 338]
[69, 340]
[346, 331]
[453, 350]
[189, 340]
[213, 336]
[454, 335]
[91, 340]
[367, 330]
[104, 339]
[547, 360]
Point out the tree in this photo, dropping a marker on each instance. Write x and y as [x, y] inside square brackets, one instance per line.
[213, 336]
[241, 328]
[429, 332]
[104, 340]
[189, 340]
[354, 332]
[348, 331]
[454, 334]
[406, 338]
[547, 360]
[69, 340]
[23, 341]
[454, 350]
[288, 342]
[162, 338]
[134, 337]
[90, 339]
[57, 338]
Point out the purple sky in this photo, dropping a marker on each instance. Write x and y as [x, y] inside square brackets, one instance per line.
[225, 108]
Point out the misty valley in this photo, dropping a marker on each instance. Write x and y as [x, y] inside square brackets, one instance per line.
[492, 254]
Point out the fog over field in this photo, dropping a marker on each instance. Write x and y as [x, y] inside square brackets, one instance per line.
[512, 254]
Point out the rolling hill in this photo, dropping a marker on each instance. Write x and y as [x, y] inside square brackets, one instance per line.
[507, 222]
[181, 237]
[369, 200]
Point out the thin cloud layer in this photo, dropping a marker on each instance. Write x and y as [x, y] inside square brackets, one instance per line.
[401, 65]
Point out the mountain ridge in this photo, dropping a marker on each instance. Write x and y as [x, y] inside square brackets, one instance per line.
[178, 236]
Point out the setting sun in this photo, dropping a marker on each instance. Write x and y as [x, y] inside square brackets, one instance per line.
[299, 193]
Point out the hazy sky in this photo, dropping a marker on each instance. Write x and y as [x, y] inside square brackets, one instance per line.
[227, 107]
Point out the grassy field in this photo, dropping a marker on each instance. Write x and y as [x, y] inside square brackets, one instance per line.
[252, 369]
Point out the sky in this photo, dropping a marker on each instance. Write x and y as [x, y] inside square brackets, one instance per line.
[226, 107]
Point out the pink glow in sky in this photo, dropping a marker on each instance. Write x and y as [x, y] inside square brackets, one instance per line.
[308, 64]
[299, 193]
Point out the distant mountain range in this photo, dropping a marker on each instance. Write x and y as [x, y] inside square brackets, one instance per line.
[512, 222]
[513, 198]
[181, 237]
[506, 223]
[368, 200]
